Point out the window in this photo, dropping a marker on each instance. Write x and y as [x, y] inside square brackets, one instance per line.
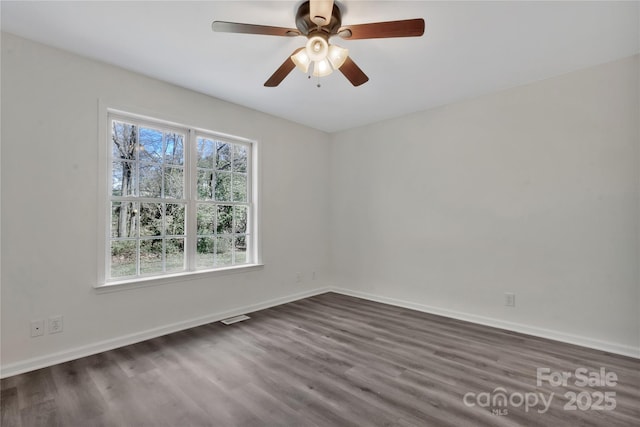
[222, 207]
[180, 200]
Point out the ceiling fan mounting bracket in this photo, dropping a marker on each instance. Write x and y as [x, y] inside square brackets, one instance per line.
[307, 27]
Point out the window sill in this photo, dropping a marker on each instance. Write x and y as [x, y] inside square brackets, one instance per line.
[142, 282]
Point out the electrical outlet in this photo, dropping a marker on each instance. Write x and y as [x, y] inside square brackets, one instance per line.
[55, 324]
[298, 277]
[509, 299]
[313, 275]
[37, 328]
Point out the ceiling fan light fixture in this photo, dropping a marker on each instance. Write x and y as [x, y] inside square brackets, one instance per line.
[302, 60]
[337, 56]
[317, 48]
[322, 68]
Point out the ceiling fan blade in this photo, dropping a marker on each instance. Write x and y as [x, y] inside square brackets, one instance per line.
[283, 71]
[235, 27]
[383, 30]
[353, 73]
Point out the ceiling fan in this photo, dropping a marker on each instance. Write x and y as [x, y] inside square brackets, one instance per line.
[318, 21]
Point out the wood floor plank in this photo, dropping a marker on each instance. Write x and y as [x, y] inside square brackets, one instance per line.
[43, 413]
[328, 360]
[9, 408]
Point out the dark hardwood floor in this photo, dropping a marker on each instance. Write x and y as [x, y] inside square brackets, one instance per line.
[329, 360]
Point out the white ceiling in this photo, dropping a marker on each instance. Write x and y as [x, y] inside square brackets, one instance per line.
[469, 49]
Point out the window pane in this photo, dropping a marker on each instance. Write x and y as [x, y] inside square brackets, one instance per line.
[223, 156]
[123, 141]
[151, 256]
[175, 255]
[204, 252]
[206, 155]
[205, 185]
[239, 187]
[150, 219]
[150, 180]
[123, 258]
[174, 219]
[153, 192]
[240, 250]
[223, 252]
[206, 219]
[174, 148]
[240, 219]
[239, 158]
[224, 220]
[123, 219]
[123, 179]
[150, 145]
[223, 186]
[173, 183]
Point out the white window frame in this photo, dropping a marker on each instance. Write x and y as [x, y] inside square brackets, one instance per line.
[106, 114]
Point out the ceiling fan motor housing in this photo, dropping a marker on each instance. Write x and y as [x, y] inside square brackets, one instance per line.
[309, 28]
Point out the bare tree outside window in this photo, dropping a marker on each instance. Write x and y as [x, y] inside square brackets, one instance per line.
[149, 201]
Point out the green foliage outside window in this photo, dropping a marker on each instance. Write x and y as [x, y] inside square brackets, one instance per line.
[149, 205]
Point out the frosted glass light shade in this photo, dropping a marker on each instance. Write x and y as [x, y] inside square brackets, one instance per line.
[322, 68]
[337, 55]
[302, 60]
[317, 48]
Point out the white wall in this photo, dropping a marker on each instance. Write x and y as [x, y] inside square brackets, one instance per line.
[49, 205]
[533, 190]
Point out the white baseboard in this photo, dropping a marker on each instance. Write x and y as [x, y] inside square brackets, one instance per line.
[610, 347]
[110, 344]
[98, 347]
